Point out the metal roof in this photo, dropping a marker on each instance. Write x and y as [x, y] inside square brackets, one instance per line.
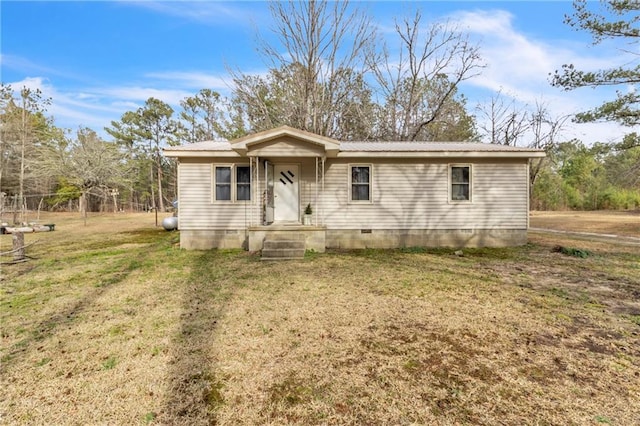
[333, 148]
[428, 147]
[376, 147]
[202, 146]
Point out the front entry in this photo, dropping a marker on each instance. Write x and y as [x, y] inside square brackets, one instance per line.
[286, 193]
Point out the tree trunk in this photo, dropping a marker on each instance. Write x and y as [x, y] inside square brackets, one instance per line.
[23, 143]
[18, 246]
[160, 195]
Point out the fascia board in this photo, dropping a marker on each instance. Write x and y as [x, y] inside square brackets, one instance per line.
[202, 154]
[444, 154]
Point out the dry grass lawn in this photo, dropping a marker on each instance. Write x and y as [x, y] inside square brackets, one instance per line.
[113, 324]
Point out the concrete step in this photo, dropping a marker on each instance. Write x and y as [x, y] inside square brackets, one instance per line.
[283, 249]
[283, 244]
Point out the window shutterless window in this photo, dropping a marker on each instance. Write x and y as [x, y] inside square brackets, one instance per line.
[223, 183]
[460, 178]
[360, 183]
[232, 183]
[243, 183]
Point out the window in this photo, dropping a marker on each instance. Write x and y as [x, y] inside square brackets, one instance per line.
[460, 178]
[232, 183]
[243, 183]
[360, 183]
[223, 183]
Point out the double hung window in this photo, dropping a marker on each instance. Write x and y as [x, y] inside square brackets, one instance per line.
[360, 182]
[232, 183]
[460, 178]
[243, 183]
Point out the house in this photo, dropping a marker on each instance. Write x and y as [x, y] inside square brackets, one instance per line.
[363, 194]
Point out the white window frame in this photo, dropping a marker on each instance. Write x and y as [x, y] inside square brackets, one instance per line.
[451, 183]
[234, 182]
[350, 183]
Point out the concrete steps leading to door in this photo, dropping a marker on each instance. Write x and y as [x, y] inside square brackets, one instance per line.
[283, 249]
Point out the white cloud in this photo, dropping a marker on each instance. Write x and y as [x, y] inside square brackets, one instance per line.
[33, 83]
[520, 67]
[71, 109]
[97, 106]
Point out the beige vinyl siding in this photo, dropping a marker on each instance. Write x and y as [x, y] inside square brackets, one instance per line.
[415, 195]
[196, 207]
[308, 185]
[406, 194]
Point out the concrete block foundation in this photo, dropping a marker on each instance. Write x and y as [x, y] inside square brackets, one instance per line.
[319, 238]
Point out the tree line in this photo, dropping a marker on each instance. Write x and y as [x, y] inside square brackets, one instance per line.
[328, 73]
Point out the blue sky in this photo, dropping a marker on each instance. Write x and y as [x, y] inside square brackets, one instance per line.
[97, 60]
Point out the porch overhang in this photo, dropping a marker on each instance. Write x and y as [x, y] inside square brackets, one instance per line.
[286, 141]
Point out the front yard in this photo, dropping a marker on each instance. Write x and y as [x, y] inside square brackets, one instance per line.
[114, 324]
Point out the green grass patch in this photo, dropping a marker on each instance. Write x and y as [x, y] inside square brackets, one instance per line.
[43, 361]
[110, 363]
[572, 251]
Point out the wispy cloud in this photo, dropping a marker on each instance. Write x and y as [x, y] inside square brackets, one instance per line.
[208, 12]
[27, 66]
[23, 64]
[96, 107]
[192, 79]
[518, 64]
[71, 109]
[141, 94]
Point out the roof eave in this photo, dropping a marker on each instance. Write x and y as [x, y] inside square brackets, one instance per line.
[441, 154]
[200, 154]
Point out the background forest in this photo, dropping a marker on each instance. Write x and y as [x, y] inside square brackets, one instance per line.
[330, 74]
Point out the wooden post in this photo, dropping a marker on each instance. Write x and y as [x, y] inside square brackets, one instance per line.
[18, 246]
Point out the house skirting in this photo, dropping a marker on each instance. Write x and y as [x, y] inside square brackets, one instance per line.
[319, 238]
[204, 239]
[395, 238]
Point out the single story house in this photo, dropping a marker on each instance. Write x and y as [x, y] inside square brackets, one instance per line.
[239, 193]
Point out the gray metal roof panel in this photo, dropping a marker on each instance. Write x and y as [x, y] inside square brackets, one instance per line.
[428, 147]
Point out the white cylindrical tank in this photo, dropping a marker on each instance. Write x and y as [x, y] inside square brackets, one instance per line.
[170, 223]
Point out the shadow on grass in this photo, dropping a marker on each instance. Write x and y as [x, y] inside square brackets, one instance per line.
[194, 392]
[106, 279]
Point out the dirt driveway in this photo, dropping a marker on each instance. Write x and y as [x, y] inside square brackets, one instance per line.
[590, 224]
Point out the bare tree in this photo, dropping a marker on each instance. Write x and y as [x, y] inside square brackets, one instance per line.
[505, 123]
[502, 122]
[88, 163]
[417, 82]
[8, 134]
[321, 44]
[22, 126]
[546, 129]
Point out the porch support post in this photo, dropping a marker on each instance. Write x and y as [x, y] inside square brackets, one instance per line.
[322, 192]
[315, 202]
[255, 175]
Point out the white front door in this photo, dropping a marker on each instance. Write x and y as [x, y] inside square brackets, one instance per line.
[286, 202]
